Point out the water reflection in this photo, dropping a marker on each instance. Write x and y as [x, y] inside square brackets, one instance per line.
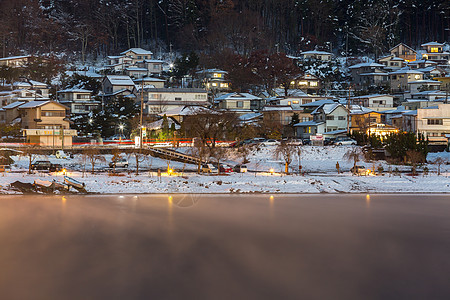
[368, 201]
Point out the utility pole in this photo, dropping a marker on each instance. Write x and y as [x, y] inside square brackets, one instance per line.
[142, 114]
[348, 110]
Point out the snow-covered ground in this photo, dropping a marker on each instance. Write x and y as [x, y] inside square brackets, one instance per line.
[318, 163]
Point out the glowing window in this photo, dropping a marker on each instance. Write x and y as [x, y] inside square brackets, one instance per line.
[217, 75]
[224, 85]
[313, 83]
[302, 83]
[417, 76]
[295, 102]
[434, 50]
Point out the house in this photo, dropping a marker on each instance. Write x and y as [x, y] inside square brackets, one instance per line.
[44, 123]
[79, 101]
[404, 51]
[137, 54]
[308, 83]
[212, 79]
[114, 86]
[118, 63]
[326, 118]
[423, 85]
[376, 102]
[15, 61]
[136, 72]
[180, 113]
[316, 55]
[149, 82]
[40, 87]
[399, 79]
[10, 113]
[435, 52]
[240, 103]
[409, 121]
[152, 66]
[363, 119]
[160, 100]
[392, 62]
[280, 115]
[421, 64]
[366, 74]
[135, 62]
[23, 95]
[434, 123]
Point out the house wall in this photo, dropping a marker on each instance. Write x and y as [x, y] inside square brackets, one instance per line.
[399, 82]
[339, 119]
[30, 115]
[434, 123]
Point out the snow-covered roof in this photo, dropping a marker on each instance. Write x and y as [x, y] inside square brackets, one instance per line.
[364, 65]
[138, 51]
[410, 113]
[153, 61]
[186, 111]
[136, 69]
[14, 57]
[13, 105]
[237, 96]
[360, 110]
[432, 82]
[314, 52]
[374, 74]
[405, 71]
[327, 108]
[371, 96]
[158, 124]
[399, 44]
[36, 83]
[277, 108]
[431, 44]
[33, 104]
[429, 93]
[398, 110]
[212, 71]
[308, 123]
[249, 116]
[175, 90]
[149, 79]
[317, 103]
[120, 80]
[422, 61]
[74, 90]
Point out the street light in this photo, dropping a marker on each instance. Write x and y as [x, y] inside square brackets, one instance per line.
[121, 133]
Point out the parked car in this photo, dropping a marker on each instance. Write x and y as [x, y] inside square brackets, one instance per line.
[209, 168]
[295, 142]
[270, 142]
[306, 141]
[240, 169]
[119, 163]
[225, 169]
[344, 140]
[46, 165]
[328, 141]
[359, 170]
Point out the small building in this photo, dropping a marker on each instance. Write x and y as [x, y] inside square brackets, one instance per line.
[212, 79]
[334, 115]
[149, 82]
[404, 51]
[363, 118]
[159, 100]
[112, 84]
[281, 115]
[434, 123]
[399, 79]
[316, 55]
[376, 102]
[15, 61]
[392, 62]
[308, 83]
[79, 101]
[435, 52]
[240, 103]
[44, 123]
[423, 85]
[365, 74]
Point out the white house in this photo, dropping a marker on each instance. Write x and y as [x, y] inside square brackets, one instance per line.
[434, 122]
[328, 117]
[376, 102]
[316, 55]
[240, 103]
[159, 100]
[399, 79]
[79, 101]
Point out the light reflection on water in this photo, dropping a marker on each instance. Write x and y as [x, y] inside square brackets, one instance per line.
[222, 246]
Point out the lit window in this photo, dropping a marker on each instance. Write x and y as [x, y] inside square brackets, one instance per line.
[302, 83]
[217, 75]
[224, 85]
[289, 102]
[434, 50]
[313, 83]
[417, 76]
[214, 84]
[295, 102]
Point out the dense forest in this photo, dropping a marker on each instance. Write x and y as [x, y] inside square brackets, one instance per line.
[100, 27]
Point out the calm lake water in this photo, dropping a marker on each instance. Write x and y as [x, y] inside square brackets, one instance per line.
[225, 247]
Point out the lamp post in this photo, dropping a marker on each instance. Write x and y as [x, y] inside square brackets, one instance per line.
[121, 133]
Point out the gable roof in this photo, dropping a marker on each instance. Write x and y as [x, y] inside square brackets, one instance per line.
[404, 45]
[327, 108]
[237, 96]
[119, 80]
[138, 51]
[362, 65]
[431, 44]
[13, 105]
[33, 104]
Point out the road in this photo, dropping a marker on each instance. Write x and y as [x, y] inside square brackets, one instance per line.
[225, 247]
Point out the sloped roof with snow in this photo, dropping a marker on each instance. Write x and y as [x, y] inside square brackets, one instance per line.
[13, 105]
[405, 71]
[120, 80]
[363, 65]
[308, 123]
[317, 103]
[138, 51]
[74, 90]
[277, 108]
[237, 96]
[431, 44]
[317, 52]
[371, 96]
[33, 104]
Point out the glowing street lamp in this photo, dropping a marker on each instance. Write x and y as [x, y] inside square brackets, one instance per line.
[271, 171]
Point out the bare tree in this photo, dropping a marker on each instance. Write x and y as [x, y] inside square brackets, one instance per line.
[439, 161]
[287, 152]
[414, 157]
[116, 155]
[220, 154]
[93, 155]
[201, 152]
[31, 151]
[139, 157]
[354, 155]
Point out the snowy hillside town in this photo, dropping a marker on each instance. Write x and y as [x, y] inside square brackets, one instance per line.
[134, 89]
